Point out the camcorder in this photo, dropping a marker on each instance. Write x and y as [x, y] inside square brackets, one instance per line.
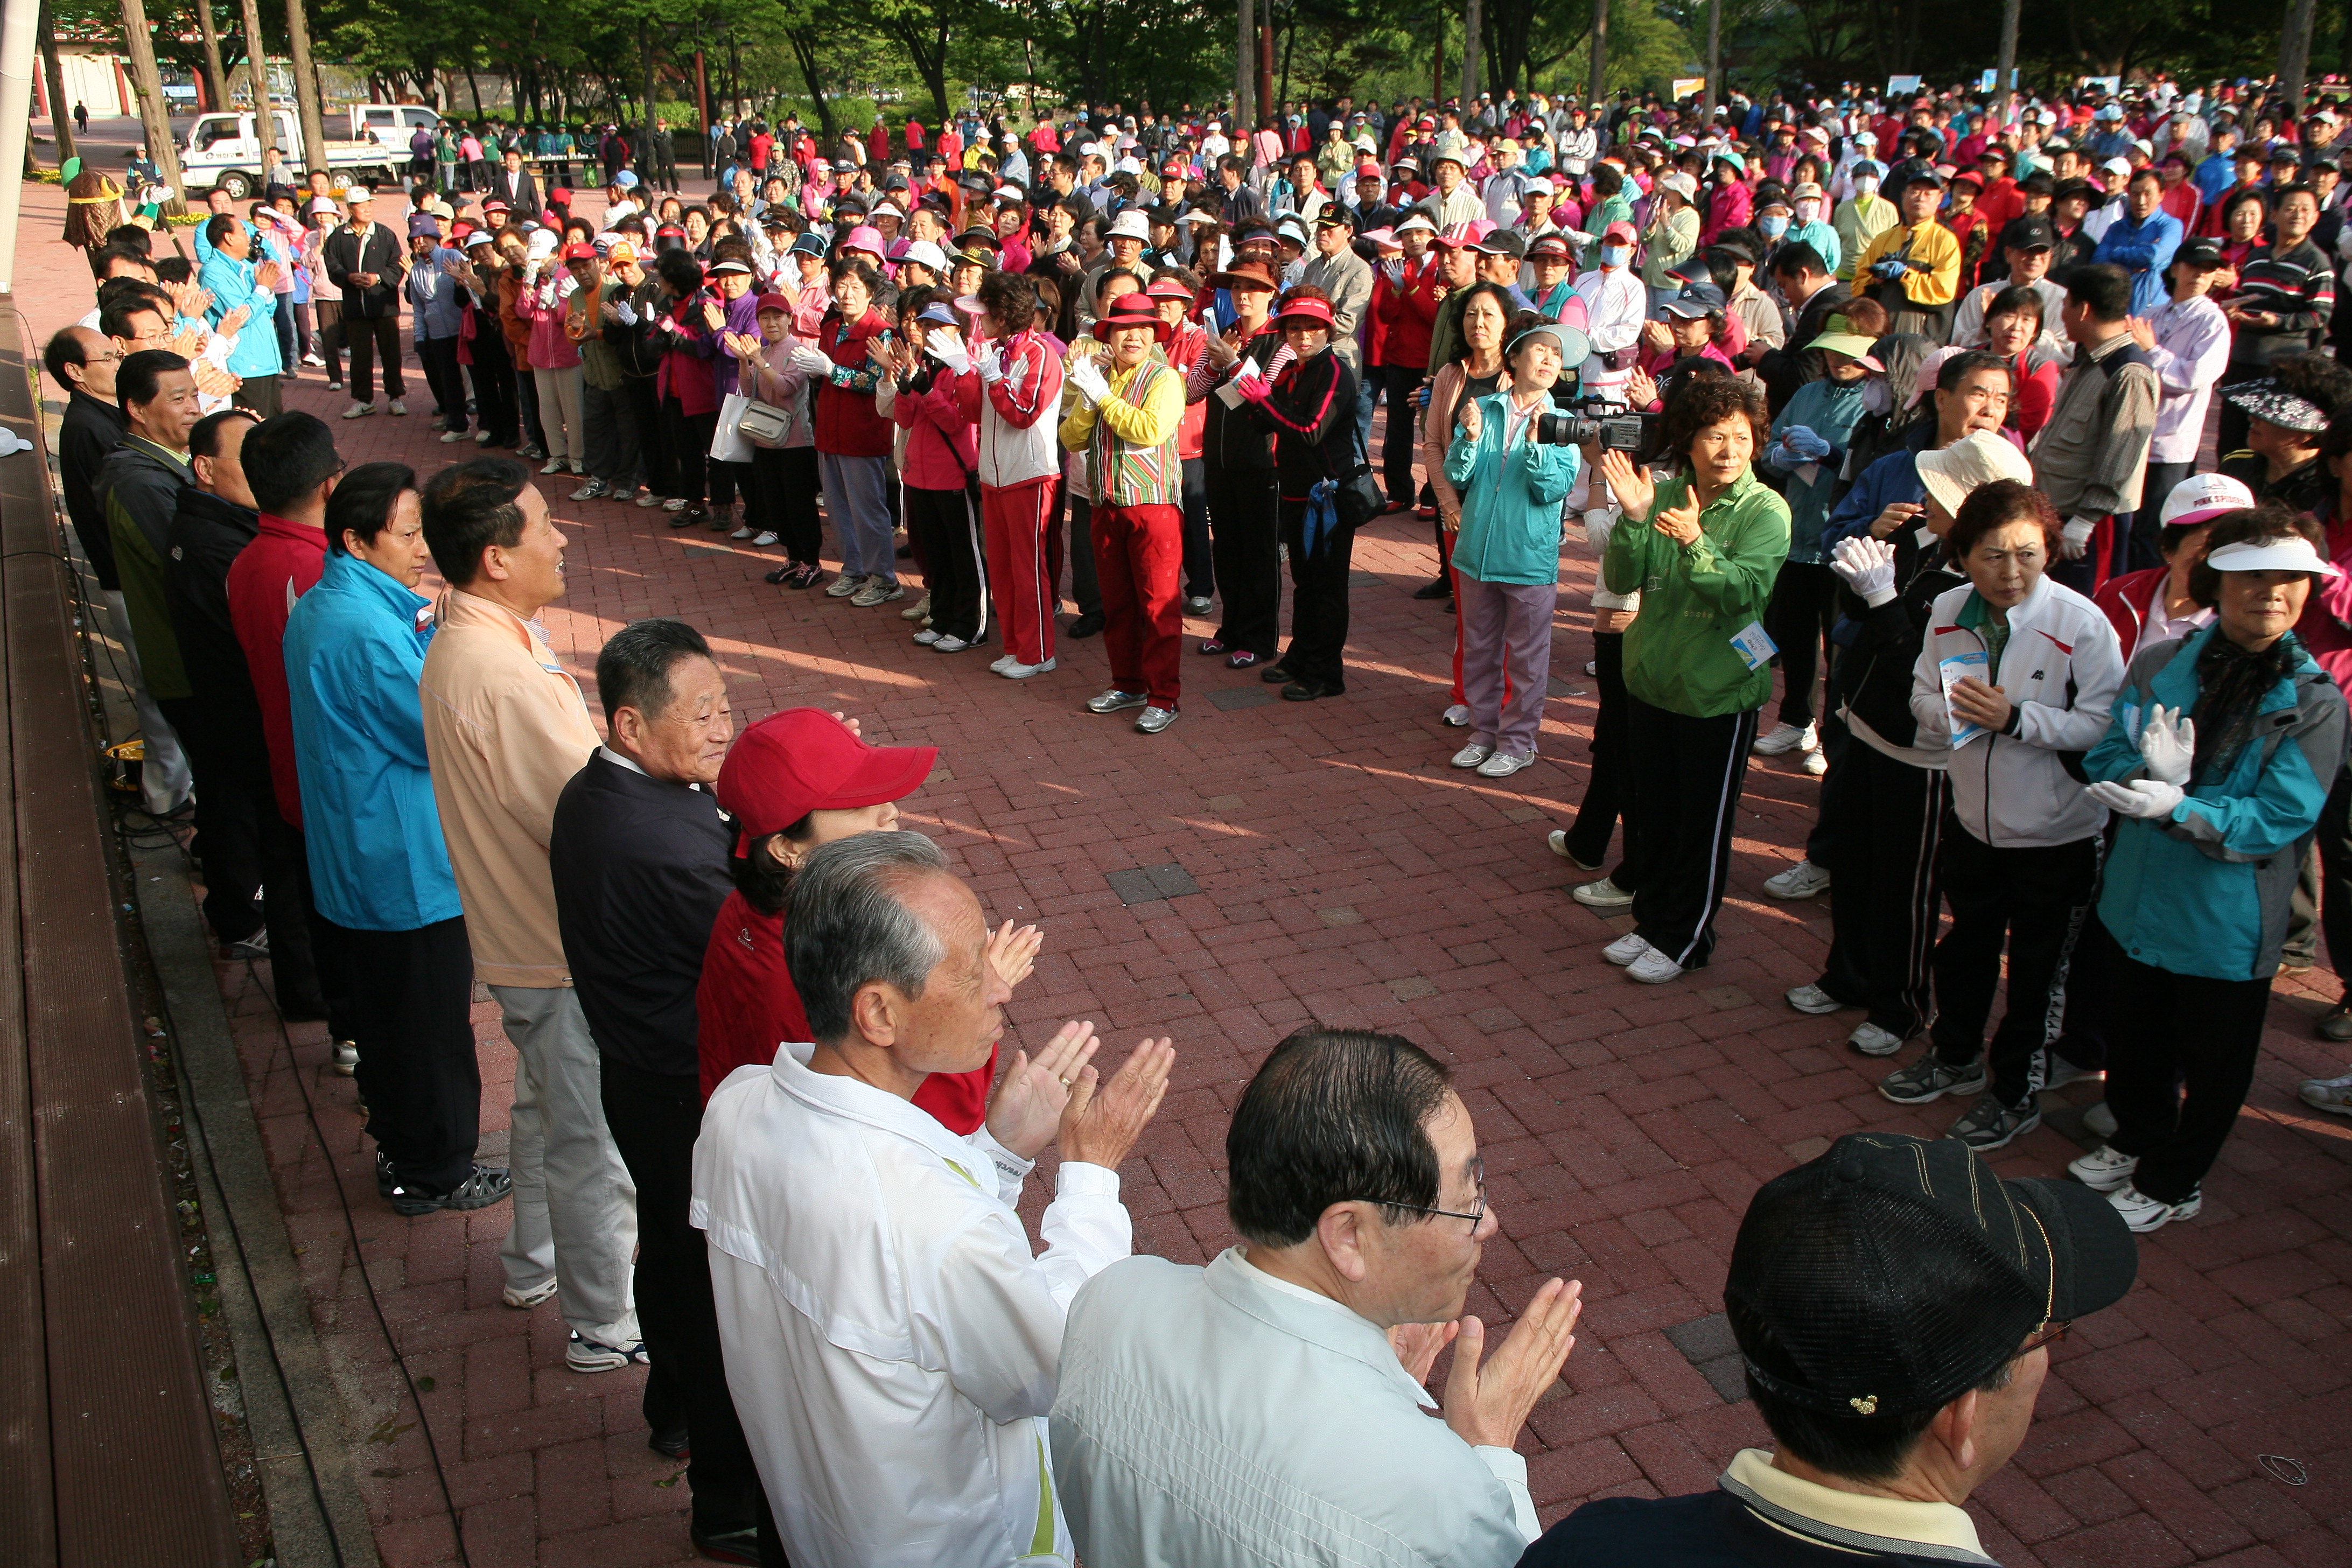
[1616, 426]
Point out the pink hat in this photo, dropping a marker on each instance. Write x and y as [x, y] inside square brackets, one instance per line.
[1929, 368]
[1461, 236]
[865, 237]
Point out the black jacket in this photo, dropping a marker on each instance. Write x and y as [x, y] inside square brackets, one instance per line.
[1231, 440]
[1707, 1530]
[518, 191]
[1783, 370]
[204, 539]
[91, 428]
[641, 868]
[1312, 413]
[1873, 673]
[378, 252]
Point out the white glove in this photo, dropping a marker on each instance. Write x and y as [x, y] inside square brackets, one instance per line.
[944, 346]
[991, 365]
[2168, 743]
[626, 312]
[2150, 798]
[1088, 379]
[1868, 567]
[2076, 539]
[814, 361]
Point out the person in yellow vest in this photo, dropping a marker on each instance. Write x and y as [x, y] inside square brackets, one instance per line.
[1914, 268]
[1125, 408]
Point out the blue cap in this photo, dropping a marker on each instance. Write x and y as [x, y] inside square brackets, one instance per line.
[938, 312]
[1696, 300]
[626, 179]
[807, 245]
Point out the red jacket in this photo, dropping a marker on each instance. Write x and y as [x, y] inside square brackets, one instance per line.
[940, 443]
[1406, 312]
[1185, 348]
[280, 565]
[847, 424]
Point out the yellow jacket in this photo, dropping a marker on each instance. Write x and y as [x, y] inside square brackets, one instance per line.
[1133, 459]
[1931, 243]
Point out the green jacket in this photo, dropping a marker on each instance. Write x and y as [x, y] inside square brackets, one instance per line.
[139, 485]
[1696, 597]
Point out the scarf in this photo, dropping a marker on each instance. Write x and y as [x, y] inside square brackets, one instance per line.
[2231, 681]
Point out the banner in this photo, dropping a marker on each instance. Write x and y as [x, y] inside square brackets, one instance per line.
[1688, 87]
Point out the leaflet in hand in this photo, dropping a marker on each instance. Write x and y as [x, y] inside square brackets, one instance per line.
[1959, 666]
[1230, 393]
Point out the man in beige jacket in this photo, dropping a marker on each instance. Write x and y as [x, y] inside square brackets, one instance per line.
[506, 728]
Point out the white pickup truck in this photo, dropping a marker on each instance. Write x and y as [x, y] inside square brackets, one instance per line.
[369, 142]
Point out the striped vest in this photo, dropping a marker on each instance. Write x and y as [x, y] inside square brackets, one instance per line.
[1124, 474]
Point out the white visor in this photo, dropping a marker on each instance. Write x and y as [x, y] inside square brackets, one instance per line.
[2291, 553]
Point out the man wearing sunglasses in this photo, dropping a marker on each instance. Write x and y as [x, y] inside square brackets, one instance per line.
[1893, 1303]
[1268, 1408]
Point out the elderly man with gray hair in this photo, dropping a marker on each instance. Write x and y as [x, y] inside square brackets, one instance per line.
[892, 1343]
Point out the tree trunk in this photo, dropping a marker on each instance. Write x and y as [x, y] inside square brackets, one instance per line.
[138, 41]
[2294, 54]
[256, 65]
[308, 109]
[642, 143]
[216, 78]
[804, 42]
[1713, 92]
[1244, 69]
[1599, 49]
[474, 89]
[2007, 63]
[1289, 43]
[1472, 30]
[53, 77]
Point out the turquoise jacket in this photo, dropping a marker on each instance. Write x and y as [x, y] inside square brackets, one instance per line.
[1830, 410]
[1511, 502]
[231, 283]
[354, 656]
[2205, 891]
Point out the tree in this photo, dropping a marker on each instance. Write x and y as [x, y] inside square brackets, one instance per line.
[308, 109]
[148, 82]
[53, 77]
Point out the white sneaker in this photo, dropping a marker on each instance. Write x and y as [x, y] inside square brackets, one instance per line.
[2104, 1169]
[554, 466]
[525, 1300]
[2333, 1095]
[1502, 765]
[673, 504]
[1471, 755]
[763, 538]
[950, 645]
[359, 411]
[842, 587]
[1624, 949]
[592, 490]
[449, 437]
[1814, 999]
[1784, 738]
[876, 592]
[314, 362]
[742, 533]
[1001, 665]
[1873, 1041]
[1801, 880]
[926, 636]
[400, 405]
[1654, 968]
[481, 438]
[1603, 894]
[2063, 1072]
[2143, 1214]
[921, 608]
[346, 1056]
[1019, 672]
[1817, 763]
[1457, 717]
[589, 1355]
[1557, 839]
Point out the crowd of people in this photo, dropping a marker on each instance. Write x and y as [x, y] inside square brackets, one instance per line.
[1905, 401]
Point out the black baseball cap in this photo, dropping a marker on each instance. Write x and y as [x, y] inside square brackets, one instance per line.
[1504, 242]
[2200, 253]
[2031, 232]
[1696, 300]
[1892, 1274]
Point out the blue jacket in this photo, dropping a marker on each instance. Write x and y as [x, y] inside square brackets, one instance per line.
[1893, 478]
[1511, 503]
[354, 655]
[1830, 410]
[231, 283]
[2143, 250]
[2205, 891]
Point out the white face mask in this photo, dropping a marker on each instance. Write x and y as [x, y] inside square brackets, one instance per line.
[1809, 209]
[1616, 255]
[1878, 397]
[1866, 185]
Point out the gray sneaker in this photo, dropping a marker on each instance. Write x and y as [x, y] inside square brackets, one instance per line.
[1154, 719]
[842, 587]
[1112, 701]
[1928, 1079]
[1988, 1124]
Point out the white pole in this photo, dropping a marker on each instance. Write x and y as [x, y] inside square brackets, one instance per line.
[18, 28]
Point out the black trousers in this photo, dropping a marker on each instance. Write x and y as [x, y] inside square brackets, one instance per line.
[494, 387]
[444, 378]
[330, 314]
[2180, 1062]
[1200, 554]
[2334, 841]
[945, 526]
[1245, 538]
[1883, 897]
[1609, 793]
[1086, 584]
[370, 337]
[1398, 448]
[2034, 901]
[1319, 600]
[655, 1118]
[653, 431]
[228, 833]
[689, 443]
[780, 497]
[1802, 610]
[1688, 772]
[415, 994]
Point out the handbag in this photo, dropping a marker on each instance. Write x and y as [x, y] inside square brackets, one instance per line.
[764, 426]
[1358, 499]
[727, 442]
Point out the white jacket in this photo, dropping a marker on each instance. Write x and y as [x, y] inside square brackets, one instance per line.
[891, 1344]
[2062, 669]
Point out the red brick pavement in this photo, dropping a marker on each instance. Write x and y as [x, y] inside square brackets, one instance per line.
[1347, 877]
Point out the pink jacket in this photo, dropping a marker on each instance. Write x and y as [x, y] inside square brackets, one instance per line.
[543, 306]
[941, 444]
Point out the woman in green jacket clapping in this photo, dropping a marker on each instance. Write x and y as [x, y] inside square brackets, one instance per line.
[1705, 551]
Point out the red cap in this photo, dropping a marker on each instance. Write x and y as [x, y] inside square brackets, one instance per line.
[577, 251]
[559, 197]
[772, 302]
[1309, 309]
[803, 759]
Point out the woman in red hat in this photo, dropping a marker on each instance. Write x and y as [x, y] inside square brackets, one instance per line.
[793, 782]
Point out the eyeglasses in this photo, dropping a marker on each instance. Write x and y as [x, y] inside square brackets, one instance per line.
[1476, 1218]
[2050, 1334]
